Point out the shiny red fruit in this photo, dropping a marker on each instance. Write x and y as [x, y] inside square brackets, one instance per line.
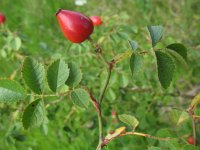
[75, 26]
[2, 18]
[96, 20]
[190, 140]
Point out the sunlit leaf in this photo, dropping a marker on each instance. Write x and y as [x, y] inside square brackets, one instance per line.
[57, 74]
[75, 75]
[11, 91]
[34, 75]
[129, 120]
[34, 114]
[80, 98]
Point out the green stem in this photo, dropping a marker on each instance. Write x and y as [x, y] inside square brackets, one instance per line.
[194, 130]
[100, 128]
[106, 85]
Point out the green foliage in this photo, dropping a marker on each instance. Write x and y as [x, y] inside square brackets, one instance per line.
[133, 44]
[178, 57]
[190, 147]
[57, 74]
[42, 39]
[129, 120]
[136, 64]
[166, 68]
[14, 43]
[156, 33]
[34, 75]
[80, 98]
[179, 117]
[154, 148]
[179, 48]
[195, 101]
[34, 114]
[75, 75]
[11, 91]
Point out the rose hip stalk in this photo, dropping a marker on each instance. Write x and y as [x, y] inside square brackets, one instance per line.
[75, 26]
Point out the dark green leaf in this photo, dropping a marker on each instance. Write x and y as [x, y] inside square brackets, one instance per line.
[80, 98]
[133, 44]
[57, 74]
[179, 48]
[75, 75]
[34, 75]
[177, 57]
[156, 33]
[10, 91]
[129, 120]
[166, 68]
[34, 114]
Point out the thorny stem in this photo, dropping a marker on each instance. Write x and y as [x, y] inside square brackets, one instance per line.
[194, 130]
[98, 110]
[110, 66]
[98, 50]
[191, 113]
[97, 104]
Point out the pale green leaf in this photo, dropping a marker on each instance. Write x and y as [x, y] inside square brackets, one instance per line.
[34, 114]
[116, 133]
[34, 75]
[57, 74]
[136, 64]
[166, 68]
[75, 75]
[179, 117]
[195, 101]
[11, 91]
[80, 98]
[14, 43]
[156, 33]
[129, 120]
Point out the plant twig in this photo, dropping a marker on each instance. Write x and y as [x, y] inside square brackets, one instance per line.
[98, 110]
[191, 113]
[106, 141]
[98, 50]
[110, 66]
[50, 95]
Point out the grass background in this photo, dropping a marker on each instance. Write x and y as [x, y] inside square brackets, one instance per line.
[35, 23]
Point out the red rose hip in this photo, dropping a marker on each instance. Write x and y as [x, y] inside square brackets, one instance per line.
[2, 18]
[190, 140]
[96, 20]
[75, 26]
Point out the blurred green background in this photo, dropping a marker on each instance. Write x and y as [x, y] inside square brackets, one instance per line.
[34, 22]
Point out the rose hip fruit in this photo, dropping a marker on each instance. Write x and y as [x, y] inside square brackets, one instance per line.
[2, 18]
[96, 20]
[190, 140]
[75, 26]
